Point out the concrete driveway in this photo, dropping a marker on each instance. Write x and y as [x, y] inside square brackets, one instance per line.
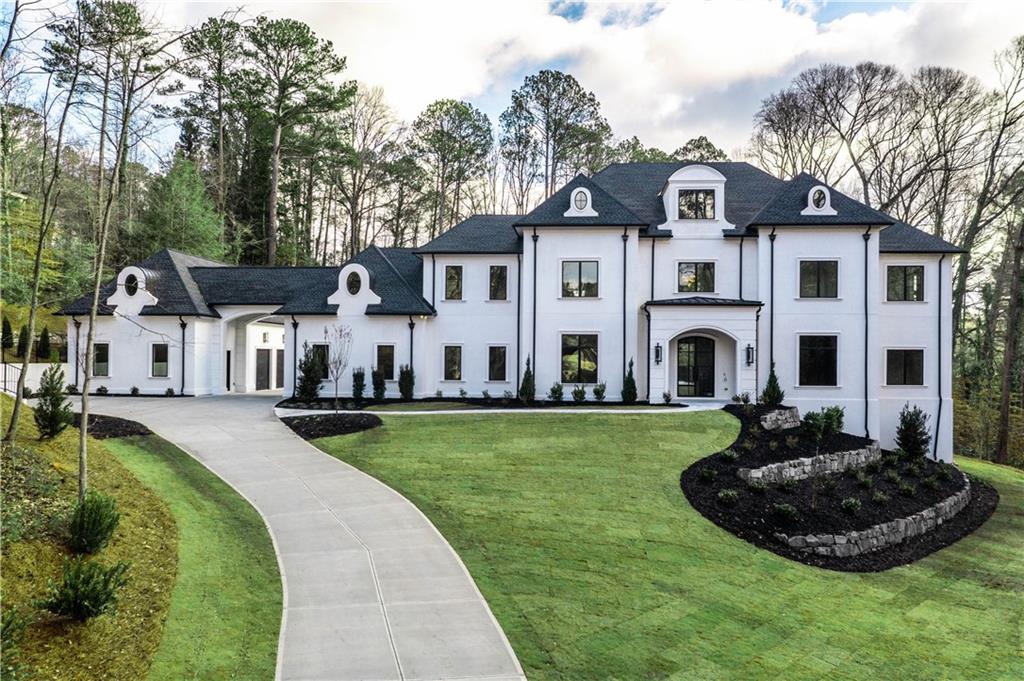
[371, 589]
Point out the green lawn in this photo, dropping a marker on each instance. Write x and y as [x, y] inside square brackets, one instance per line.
[576, 531]
[225, 609]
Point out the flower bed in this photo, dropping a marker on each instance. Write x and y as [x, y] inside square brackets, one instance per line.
[758, 447]
[328, 425]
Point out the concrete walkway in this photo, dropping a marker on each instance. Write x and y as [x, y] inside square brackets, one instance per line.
[709, 405]
[371, 589]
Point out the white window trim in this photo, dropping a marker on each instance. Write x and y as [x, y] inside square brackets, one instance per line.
[462, 363]
[924, 283]
[839, 363]
[152, 352]
[588, 209]
[577, 332]
[689, 221]
[110, 358]
[600, 267]
[444, 284]
[508, 282]
[313, 345]
[811, 209]
[394, 347]
[885, 366]
[839, 279]
[713, 261]
[487, 372]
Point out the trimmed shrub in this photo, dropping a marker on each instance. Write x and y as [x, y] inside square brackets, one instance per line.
[912, 432]
[629, 386]
[666, 397]
[833, 417]
[556, 393]
[169, 392]
[599, 391]
[71, 389]
[53, 413]
[851, 505]
[462, 393]
[134, 391]
[707, 475]
[579, 394]
[757, 486]
[379, 386]
[311, 372]
[528, 388]
[438, 394]
[907, 490]
[730, 455]
[43, 346]
[892, 475]
[880, 498]
[784, 512]
[7, 336]
[728, 496]
[792, 441]
[26, 392]
[358, 384]
[86, 589]
[22, 342]
[772, 395]
[486, 394]
[92, 523]
[824, 423]
[406, 381]
[931, 482]
[102, 390]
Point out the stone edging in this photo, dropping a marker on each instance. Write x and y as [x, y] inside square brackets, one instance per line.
[884, 534]
[823, 464]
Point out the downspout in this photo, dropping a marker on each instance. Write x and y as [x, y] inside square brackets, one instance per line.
[648, 313]
[433, 278]
[867, 239]
[534, 344]
[183, 324]
[741, 268]
[938, 411]
[295, 354]
[519, 318]
[78, 347]
[757, 353]
[625, 240]
[771, 300]
[412, 325]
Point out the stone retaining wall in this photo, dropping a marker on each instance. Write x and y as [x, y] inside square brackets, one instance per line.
[884, 534]
[823, 464]
[781, 419]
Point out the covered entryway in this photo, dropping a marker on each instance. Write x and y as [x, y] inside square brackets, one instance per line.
[695, 367]
[252, 350]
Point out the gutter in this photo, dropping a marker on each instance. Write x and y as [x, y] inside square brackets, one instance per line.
[78, 347]
[412, 325]
[938, 411]
[867, 239]
[741, 267]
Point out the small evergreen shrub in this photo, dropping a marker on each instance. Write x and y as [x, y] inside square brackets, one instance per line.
[824, 423]
[833, 417]
[829, 484]
[379, 386]
[92, 523]
[406, 381]
[579, 394]
[913, 470]
[873, 466]
[728, 496]
[773, 445]
[931, 482]
[169, 392]
[102, 390]
[7, 335]
[880, 498]
[528, 388]
[53, 413]
[730, 455]
[358, 384]
[945, 471]
[463, 394]
[438, 394]
[772, 395]
[486, 394]
[792, 441]
[43, 349]
[707, 475]
[784, 512]
[86, 589]
[556, 393]
[22, 341]
[629, 386]
[311, 372]
[912, 432]
[71, 389]
[508, 396]
[134, 392]
[666, 397]
[892, 475]
[907, 490]
[599, 390]
[851, 505]
[26, 392]
[757, 486]
[748, 444]
[864, 481]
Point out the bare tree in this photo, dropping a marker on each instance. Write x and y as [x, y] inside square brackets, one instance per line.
[339, 347]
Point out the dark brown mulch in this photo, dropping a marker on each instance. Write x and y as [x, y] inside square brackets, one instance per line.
[754, 444]
[327, 425]
[346, 404]
[103, 427]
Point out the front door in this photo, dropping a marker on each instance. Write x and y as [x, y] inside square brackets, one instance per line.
[263, 368]
[279, 373]
[696, 367]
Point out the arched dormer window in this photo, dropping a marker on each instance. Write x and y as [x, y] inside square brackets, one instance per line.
[131, 285]
[819, 202]
[580, 204]
[353, 282]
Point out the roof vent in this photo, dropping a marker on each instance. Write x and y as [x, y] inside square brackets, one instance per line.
[819, 202]
[580, 205]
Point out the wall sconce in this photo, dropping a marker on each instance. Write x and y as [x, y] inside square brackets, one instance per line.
[657, 353]
[750, 354]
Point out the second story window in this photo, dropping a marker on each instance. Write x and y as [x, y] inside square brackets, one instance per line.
[819, 279]
[904, 283]
[696, 277]
[453, 282]
[579, 279]
[498, 283]
[696, 204]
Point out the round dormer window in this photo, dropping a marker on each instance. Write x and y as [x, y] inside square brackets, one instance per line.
[818, 198]
[131, 284]
[353, 283]
[580, 200]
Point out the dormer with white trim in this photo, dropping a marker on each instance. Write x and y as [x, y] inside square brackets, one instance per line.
[581, 204]
[354, 291]
[694, 198]
[131, 294]
[819, 201]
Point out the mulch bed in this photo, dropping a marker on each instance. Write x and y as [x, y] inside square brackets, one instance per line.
[818, 503]
[104, 427]
[327, 425]
[755, 445]
[346, 404]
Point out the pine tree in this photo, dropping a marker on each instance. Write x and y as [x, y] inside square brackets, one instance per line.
[527, 390]
[22, 341]
[912, 434]
[8, 335]
[53, 412]
[629, 386]
[311, 372]
[772, 395]
[43, 348]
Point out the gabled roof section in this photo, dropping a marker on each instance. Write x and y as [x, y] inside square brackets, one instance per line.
[902, 238]
[478, 234]
[397, 279]
[787, 204]
[610, 211]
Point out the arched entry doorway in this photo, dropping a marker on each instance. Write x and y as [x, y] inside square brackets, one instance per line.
[695, 367]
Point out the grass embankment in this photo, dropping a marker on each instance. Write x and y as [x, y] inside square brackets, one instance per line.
[576, 530]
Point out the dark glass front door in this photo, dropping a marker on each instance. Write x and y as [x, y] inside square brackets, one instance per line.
[262, 369]
[696, 367]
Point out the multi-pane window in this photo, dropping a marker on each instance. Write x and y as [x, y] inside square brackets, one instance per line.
[158, 364]
[696, 204]
[904, 367]
[453, 282]
[101, 359]
[453, 362]
[320, 352]
[905, 283]
[496, 363]
[579, 358]
[819, 279]
[696, 277]
[579, 279]
[818, 361]
[386, 361]
[499, 282]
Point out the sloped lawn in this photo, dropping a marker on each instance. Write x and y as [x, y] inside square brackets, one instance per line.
[576, 531]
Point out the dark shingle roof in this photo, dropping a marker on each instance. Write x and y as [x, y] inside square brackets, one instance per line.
[478, 234]
[397, 279]
[253, 285]
[791, 199]
[610, 212]
[902, 238]
[707, 301]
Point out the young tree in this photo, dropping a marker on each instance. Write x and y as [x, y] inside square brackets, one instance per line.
[288, 79]
[629, 386]
[8, 336]
[310, 373]
[43, 347]
[1011, 342]
[520, 154]
[528, 388]
[772, 395]
[339, 346]
[24, 345]
[53, 411]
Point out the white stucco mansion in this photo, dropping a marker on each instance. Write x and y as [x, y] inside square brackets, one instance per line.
[702, 274]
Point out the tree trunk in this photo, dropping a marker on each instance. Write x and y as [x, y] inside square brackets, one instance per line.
[275, 171]
[1013, 314]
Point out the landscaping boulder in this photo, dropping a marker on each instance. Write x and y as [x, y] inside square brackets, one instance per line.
[781, 419]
